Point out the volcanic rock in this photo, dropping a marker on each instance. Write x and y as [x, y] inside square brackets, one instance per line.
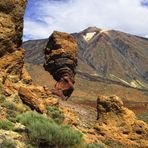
[11, 25]
[12, 65]
[118, 124]
[26, 78]
[37, 98]
[61, 61]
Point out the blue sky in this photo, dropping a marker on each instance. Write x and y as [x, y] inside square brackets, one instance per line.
[42, 17]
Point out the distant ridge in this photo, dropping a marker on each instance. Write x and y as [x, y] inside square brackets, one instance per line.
[109, 54]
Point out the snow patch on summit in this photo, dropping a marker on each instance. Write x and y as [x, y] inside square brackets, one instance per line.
[89, 36]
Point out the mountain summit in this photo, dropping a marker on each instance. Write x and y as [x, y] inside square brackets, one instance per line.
[115, 55]
[104, 54]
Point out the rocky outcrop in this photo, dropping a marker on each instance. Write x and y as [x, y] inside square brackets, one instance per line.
[37, 97]
[17, 93]
[11, 25]
[14, 79]
[118, 124]
[115, 125]
[61, 61]
[12, 65]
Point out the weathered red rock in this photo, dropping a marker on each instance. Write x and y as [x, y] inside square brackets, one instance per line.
[61, 61]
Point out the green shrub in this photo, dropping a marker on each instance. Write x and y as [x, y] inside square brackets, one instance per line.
[55, 114]
[68, 137]
[2, 98]
[9, 105]
[95, 145]
[6, 124]
[8, 144]
[44, 131]
[11, 115]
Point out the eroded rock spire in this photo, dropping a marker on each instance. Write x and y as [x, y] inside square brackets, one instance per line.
[61, 61]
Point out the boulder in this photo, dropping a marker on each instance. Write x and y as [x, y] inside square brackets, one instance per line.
[61, 61]
[37, 98]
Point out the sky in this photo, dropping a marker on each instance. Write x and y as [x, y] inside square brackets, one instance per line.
[42, 17]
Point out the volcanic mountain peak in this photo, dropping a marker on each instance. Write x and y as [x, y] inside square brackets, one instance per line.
[91, 29]
[91, 32]
[114, 53]
[111, 55]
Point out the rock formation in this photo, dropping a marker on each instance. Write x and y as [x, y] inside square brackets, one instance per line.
[14, 78]
[37, 98]
[11, 26]
[115, 125]
[119, 124]
[61, 61]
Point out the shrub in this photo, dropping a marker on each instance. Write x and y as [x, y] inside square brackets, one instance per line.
[8, 144]
[11, 115]
[9, 105]
[44, 131]
[68, 137]
[95, 145]
[55, 114]
[6, 124]
[2, 98]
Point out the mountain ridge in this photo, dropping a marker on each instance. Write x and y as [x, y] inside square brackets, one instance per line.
[110, 54]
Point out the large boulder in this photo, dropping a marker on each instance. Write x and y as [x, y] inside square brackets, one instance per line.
[61, 61]
[37, 97]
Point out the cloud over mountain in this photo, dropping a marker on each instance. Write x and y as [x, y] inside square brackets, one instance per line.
[44, 16]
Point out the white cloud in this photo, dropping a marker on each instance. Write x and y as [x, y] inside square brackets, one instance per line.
[75, 15]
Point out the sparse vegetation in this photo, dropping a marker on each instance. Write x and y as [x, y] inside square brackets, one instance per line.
[2, 98]
[55, 113]
[6, 124]
[46, 132]
[11, 115]
[9, 105]
[95, 145]
[8, 144]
